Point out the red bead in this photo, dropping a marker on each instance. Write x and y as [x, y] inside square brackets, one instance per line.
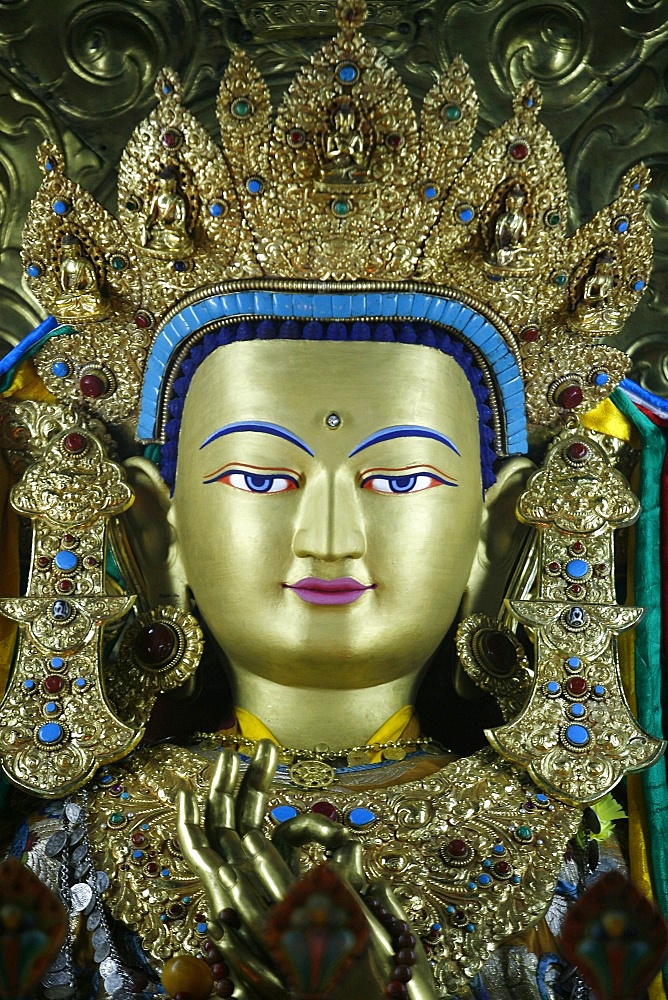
[457, 849]
[297, 137]
[600, 568]
[502, 868]
[74, 443]
[155, 644]
[577, 548]
[394, 140]
[325, 809]
[402, 973]
[220, 970]
[43, 562]
[569, 397]
[53, 684]
[90, 561]
[65, 586]
[406, 956]
[529, 334]
[576, 685]
[519, 151]
[138, 839]
[554, 567]
[396, 989]
[92, 386]
[70, 540]
[405, 941]
[230, 917]
[577, 451]
[152, 868]
[142, 320]
[175, 910]
[170, 139]
[575, 590]
[224, 988]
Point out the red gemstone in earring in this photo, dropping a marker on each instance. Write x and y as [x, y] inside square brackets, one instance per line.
[155, 644]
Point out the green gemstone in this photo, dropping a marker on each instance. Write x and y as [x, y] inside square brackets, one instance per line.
[524, 832]
[131, 206]
[341, 208]
[554, 220]
[452, 113]
[241, 108]
[560, 279]
[117, 263]
[116, 818]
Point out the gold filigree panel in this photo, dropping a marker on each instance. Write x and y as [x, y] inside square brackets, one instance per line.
[81, 74]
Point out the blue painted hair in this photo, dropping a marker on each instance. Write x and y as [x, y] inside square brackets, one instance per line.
[355, 330]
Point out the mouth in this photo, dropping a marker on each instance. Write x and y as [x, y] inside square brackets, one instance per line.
[343, 590]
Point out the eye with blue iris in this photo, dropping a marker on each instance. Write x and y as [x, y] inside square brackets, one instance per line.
[254, 482]
[404, 482]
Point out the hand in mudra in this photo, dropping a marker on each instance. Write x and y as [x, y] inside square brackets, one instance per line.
[243, 870]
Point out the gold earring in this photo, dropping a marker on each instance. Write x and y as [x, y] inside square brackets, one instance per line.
[159, 652]
[495, 660]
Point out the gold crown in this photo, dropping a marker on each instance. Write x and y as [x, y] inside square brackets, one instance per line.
[344, 185]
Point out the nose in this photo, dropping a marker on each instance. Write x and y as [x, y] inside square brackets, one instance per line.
[330, 521]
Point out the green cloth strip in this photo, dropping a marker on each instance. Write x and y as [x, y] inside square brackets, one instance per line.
[647, 572]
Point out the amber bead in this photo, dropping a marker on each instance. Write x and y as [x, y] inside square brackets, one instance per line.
[187, 974]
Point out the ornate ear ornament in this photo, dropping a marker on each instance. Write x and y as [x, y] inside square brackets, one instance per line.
[495, 660]
[576, 735]
[159, 652]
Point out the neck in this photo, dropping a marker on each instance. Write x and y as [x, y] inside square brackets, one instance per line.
[306, 717]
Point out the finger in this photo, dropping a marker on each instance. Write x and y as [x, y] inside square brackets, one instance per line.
[305, 829]
[197, 851]
[255, 787]
[251, 975]
[271, 872]
[220, 804]
[421, 986]
[350, 856]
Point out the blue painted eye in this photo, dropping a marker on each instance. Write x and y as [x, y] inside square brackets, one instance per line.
[255, 482]
[415, 483]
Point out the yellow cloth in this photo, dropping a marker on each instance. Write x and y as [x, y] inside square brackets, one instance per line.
[396, 728]
[607, 419]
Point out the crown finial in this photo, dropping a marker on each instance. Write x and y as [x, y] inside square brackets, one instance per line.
[350, 14]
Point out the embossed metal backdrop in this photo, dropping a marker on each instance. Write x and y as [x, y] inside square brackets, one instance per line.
[80, 72]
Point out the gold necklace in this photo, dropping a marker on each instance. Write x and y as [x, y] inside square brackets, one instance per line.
[316, 767]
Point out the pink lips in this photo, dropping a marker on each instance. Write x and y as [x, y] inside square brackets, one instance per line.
[343, 590]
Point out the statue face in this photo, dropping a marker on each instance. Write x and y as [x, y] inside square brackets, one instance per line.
[328, 556]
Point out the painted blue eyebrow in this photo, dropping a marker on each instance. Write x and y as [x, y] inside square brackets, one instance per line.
[399, 431]
[259, 427]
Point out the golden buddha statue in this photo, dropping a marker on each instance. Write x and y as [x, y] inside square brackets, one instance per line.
[338, 469]
[165, 227]
[511, 229]
[80, 288]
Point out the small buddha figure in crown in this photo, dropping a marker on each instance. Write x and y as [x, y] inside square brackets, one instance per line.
[81, 296]
[594, 310]
[344, 148]
[511, 229]
[165, 226]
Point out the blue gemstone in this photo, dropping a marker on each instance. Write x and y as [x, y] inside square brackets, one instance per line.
[144, 826]
[552, 687]
[125, 796]
[137, 855]
[471, 885]
[622, 226]
[466, 214]
[48, 165]
[50, 707]
[167, 88]
[56, 663]
[179, 265]
[60, 207]
[541, 799]
[598, 690]
[484, 879]
[577, 735]
[215, 209]
[282, 813]
[498, 849]
[165, 874]
[201, 928]
[50, 733]
[470, 928]
[436, 927]
[573, 662]
[450, 910]
[347, 74]
[254, 185]
[33, 270]
[81, 683]
[577, 568]
[637, 285]
[106, 779]
[29, 685]
[577, 710]
[361, 817]
[601, 379]
[636, 186]
[60, 369]
[516, 880]
[185, 899]
[430, 192]
[66, 560]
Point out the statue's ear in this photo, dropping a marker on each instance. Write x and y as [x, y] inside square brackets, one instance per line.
[501, 538]
[153, 560]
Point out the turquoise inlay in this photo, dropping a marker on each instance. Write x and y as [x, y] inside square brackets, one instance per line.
[577, 735]
[49, 733]
[361, 817]
[282, 813]
[417, 306]
[66, 561]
